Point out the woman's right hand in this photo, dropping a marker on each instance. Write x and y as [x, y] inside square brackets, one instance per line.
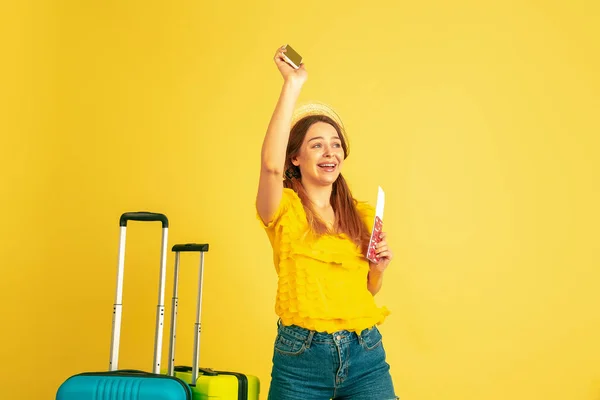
[289, 73]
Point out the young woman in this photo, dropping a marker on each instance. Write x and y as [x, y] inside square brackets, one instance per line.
[327, 345]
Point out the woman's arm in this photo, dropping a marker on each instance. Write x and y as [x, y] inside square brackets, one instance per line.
[270, 185]
[375, 276]
[374, 281]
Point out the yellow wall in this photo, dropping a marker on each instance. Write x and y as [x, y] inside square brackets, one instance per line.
[479, 120]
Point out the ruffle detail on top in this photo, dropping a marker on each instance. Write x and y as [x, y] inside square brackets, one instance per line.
[322, 280]
[296, 240]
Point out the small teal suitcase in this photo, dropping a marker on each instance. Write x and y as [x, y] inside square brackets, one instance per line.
[205, 383]
[123, 385]
[128, 384]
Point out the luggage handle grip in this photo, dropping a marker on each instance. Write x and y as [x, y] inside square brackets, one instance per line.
[190, 247]
[205, 371]
[129, 371]
[144, 216]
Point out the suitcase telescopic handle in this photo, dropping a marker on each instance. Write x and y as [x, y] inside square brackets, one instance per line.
[144, 216]
[177, 249]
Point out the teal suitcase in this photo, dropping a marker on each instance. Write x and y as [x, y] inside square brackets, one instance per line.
[205, 383]
[122, 384]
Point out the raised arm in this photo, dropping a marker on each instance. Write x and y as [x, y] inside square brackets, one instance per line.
[270, 185]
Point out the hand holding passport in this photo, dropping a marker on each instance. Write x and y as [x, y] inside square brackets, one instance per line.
[377, 227]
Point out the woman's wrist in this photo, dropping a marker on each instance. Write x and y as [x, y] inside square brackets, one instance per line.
[374, 273]
[293, 85]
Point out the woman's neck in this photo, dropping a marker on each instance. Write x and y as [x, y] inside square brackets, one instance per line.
[320, 196]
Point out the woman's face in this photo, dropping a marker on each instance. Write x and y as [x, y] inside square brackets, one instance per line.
[321, 155]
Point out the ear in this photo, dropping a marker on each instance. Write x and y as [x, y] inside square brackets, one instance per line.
[295, 161]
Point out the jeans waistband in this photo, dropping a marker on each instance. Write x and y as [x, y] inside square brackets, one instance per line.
[322, 337]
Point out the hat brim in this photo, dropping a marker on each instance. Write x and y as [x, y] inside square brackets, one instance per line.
[317, 108]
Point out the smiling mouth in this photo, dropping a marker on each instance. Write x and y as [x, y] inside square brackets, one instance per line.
[328, 167]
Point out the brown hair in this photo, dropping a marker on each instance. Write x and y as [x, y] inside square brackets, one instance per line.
[348, 220]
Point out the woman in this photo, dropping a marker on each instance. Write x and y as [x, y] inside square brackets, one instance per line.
[327, 345]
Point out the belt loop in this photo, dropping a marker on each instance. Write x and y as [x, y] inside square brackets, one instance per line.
[360, 334]
[309, 338]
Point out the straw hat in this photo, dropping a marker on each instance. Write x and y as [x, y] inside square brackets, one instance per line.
[318, 108]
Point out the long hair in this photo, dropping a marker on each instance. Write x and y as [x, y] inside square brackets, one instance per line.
[347, 218]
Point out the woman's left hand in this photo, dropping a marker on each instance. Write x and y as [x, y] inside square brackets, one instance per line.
[383, 253]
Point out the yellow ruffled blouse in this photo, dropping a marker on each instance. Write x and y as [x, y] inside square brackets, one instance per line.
[322, 282]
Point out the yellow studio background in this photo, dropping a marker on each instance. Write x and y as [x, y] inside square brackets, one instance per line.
[479, 119]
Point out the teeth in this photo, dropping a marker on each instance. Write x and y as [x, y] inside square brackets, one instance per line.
[327, 165]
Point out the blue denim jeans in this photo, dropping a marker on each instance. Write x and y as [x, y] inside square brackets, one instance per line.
[309, 365]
